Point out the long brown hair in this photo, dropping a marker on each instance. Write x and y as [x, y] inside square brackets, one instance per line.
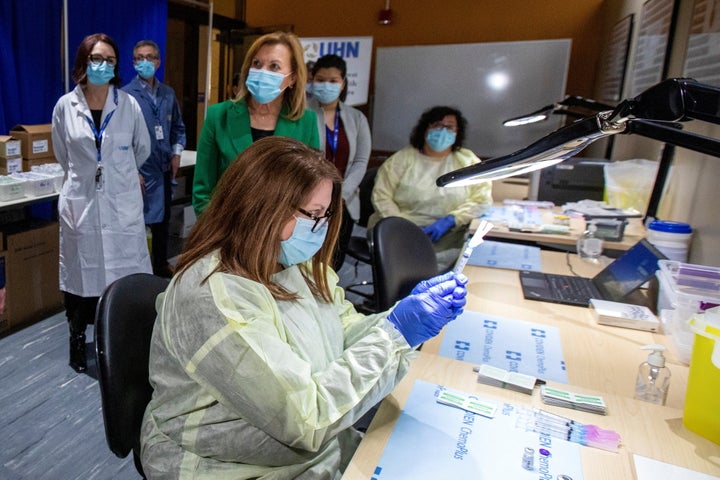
[255, 198]
[293, 97]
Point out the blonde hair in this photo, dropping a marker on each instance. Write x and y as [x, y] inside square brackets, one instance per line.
[293, 97]
[254, 199]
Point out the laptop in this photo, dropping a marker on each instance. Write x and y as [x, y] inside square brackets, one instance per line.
[614, 283]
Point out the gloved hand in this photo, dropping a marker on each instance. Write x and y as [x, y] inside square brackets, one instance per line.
[439, 227]
[421, 316]
[431, 282]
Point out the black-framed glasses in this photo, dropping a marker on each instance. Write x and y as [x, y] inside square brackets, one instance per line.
[150, 58]
[319, 221]
[449, 126]
[112, 61]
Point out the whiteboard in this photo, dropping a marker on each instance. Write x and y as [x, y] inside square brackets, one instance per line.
[487, 82]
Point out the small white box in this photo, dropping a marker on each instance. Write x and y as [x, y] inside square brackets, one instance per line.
[624, 315]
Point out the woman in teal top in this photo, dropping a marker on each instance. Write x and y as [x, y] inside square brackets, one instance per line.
[271, 102]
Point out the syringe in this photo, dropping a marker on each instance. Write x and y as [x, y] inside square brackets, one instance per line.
[474, 241]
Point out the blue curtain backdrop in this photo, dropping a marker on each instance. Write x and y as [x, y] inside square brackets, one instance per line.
[31, 48]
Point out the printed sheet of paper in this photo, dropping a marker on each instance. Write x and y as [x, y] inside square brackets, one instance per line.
[512, 256]
[514, 345]
[649, 469]
[432, 440]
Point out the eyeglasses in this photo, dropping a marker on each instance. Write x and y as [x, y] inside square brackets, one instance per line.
[150, 58]
[112, 61]
[319, 221]
[452, 128]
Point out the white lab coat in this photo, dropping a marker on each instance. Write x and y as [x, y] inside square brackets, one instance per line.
[102, 232]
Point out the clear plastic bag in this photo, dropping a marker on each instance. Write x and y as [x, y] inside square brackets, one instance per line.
[629, 183]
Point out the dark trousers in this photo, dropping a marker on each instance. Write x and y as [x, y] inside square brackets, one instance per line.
[80, 312]
[346, 230]
[161, 231]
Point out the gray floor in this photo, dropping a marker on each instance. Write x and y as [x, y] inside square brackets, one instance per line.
[51, 423]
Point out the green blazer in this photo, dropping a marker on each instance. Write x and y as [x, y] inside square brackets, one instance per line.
[226, 133]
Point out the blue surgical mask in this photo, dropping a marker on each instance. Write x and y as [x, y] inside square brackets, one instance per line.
[100, 73]
[326, 92]
[309, 88]
[440, 139]
[303, 243]
[145, 68]
[264, 85]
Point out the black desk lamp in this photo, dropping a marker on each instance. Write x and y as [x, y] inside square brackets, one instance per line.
[564, 107]
[651, 114]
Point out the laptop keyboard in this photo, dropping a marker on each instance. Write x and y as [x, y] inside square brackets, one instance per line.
[572, 289]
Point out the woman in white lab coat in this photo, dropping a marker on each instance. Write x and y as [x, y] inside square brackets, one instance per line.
[100, 139]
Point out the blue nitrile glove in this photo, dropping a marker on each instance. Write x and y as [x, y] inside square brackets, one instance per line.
[421, 316]
[431, 282]
[439, 227]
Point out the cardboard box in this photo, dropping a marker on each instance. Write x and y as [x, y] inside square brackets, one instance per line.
[36, 141]
[9, 147]
[11, 165]
[31, 271]
[182, 219]
[4, 320]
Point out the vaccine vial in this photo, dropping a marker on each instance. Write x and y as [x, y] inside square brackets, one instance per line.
[528, 459]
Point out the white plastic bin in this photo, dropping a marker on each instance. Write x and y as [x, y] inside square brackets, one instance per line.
[37, 184]
[685, 289]
[11, 188]
[54, 170]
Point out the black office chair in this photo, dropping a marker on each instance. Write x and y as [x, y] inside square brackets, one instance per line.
[123, 326]
[358, 247]
[403, 255]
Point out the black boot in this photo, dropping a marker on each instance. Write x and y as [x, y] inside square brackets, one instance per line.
[78, 360]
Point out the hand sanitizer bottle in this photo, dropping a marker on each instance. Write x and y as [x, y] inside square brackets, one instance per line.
[653, 377]
[589, 245]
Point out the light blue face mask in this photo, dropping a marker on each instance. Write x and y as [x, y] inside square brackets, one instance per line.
[145, 68]
[326, 92]
[264, 85]
[440, 139]
[303, 243]
[100, 73]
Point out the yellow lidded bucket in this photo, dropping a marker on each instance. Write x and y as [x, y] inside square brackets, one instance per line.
[702, 400]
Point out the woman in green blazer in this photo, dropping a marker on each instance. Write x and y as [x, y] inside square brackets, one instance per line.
[271, 101]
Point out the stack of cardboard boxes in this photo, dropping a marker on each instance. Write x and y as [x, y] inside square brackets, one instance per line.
[35, 143]
[29, 246]
[10, 156]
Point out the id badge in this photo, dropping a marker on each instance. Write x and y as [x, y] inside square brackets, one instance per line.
[159, 132]
[99, 178]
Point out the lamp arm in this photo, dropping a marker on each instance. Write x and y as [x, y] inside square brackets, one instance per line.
[673, 136]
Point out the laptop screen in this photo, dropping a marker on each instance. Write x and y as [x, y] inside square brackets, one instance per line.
[635, 267]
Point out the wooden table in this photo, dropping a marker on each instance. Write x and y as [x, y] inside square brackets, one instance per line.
[598, 357]
[634, 231]
[648, 430]
[600, 360]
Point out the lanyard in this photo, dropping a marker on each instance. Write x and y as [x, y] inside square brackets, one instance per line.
[98, 134]
[333, 140]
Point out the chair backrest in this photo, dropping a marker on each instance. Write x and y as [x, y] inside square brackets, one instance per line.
[124, 322]
[403, 255]
[365, 194]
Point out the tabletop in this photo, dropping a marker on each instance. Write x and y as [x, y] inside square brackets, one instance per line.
[601, 360]
[634, 231]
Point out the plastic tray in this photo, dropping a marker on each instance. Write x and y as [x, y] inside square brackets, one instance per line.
[37, 184]
[11, 188]
[685, 289]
